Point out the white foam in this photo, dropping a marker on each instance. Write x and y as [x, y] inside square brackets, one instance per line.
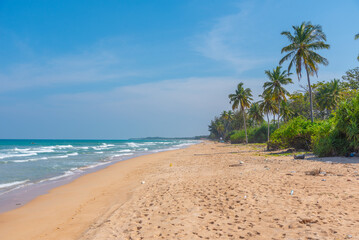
[63, 146]
[30, 160]
[95, 165]
[125, 150]
[7, 155]
[73, 154]
[123, 154]
[66, 174]
[132, 144]
[62, 156]
[6, 185]
[82, 148]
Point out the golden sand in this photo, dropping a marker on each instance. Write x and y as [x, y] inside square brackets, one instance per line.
[201, 192]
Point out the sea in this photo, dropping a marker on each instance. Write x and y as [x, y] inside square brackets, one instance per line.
[32, 162]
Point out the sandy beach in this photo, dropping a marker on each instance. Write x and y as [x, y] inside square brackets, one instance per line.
[200, 192]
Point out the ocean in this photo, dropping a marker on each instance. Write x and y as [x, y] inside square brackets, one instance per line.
[30, 162]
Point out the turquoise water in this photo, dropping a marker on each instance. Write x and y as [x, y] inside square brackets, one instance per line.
[24, 162]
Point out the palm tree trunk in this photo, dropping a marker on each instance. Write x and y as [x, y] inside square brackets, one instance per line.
[310, 95]
[245, 126]
[274, 118]
[278, 111]
[268, 132]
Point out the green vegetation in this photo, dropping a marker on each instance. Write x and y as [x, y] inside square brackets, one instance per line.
[255, 134]
[322, 117]
[297, 133]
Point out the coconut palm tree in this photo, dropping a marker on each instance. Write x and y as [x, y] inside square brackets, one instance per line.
[274, 87]
[255, 113]
[307, 38]
[286, 112]
[268, 106]
[357, 37]
[328, 95]
[241, 98]
[227, 117]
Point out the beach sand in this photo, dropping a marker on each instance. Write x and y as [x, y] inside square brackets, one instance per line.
[201, 192]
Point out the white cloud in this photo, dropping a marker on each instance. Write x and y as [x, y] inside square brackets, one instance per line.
[227, 41]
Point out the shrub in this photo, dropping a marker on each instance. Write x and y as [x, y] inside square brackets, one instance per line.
[255, 134]
[340, 135]
[297, 133]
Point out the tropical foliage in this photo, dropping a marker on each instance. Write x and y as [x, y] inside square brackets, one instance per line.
[286, 120]
[256, 134]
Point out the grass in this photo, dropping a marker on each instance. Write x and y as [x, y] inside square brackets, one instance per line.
[287, 154]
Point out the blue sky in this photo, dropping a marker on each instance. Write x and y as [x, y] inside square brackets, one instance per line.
[120, 69]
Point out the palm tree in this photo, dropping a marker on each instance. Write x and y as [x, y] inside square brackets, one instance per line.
[242, 98]
[274, 87]
[255, 113]
[227, 117]
[286, 112]
[268, 106]
[328, 95]
[306, 39]
[357, 37]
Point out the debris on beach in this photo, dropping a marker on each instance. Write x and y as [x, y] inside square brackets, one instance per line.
[142, 182]
[241, 162]
[300, 156]
[291, 192]
[314, 172]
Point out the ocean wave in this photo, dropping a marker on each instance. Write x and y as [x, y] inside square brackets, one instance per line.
[63, 146]
[73, 154]
[125, 150]
[123, 154]
[82, 148]
[132, 144]
[61, 156]
[30, 160]
[9, 155]
[66, 174]
[95, 165]
[11, 184]
[103, 146]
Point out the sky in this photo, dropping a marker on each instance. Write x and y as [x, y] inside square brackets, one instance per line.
[118, 69]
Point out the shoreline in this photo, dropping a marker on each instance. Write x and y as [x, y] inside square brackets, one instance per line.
[86, 186]
[20, 196]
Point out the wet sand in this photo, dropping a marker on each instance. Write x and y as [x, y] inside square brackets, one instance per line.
[201, 192]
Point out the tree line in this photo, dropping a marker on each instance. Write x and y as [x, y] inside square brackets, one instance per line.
[314, 101]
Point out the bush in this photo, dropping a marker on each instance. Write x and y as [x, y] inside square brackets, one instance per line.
[297, 133]
[255, 134]
[340, 135]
